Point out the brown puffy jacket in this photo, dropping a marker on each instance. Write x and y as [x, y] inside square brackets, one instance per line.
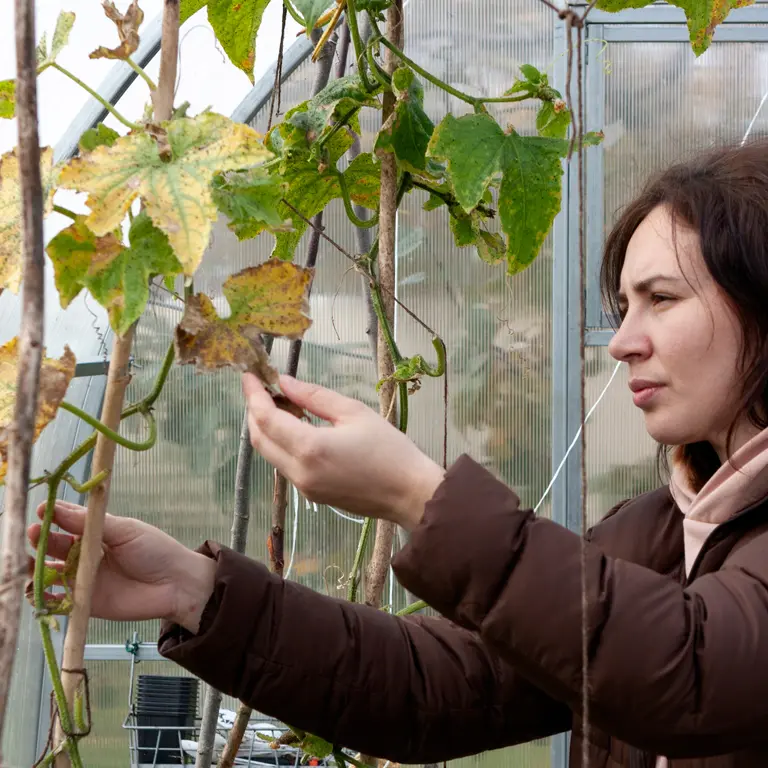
[677, 667]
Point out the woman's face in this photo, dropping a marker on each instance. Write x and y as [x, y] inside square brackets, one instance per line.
[679, 337]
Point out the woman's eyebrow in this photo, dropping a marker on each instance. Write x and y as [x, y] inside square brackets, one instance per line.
[644, 285]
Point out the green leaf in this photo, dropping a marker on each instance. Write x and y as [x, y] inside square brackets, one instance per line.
[250, 200]
[100, 136]
[530, 193]
[532, 74]
[7, 99]
[117, 277]
[306, 124]
[703, 15]
[553, 119]
[236, 24]
[476, 149]
[311, 10]
[467, 230]
[61, 34]
[347, 87]
[189, 8]
[408, 130]
[473, 147]
[363, 178]
[176, 190]
[314, 746]
[310, 190]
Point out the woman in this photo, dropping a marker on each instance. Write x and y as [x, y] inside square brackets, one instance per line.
[676, 579]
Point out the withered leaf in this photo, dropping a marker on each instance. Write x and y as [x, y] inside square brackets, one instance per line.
[127, 24]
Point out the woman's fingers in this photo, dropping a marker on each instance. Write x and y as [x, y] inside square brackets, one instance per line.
[322, 402]
[59, 544]
[270, 424]
[71, 518]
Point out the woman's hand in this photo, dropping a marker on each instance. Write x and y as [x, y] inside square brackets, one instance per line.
[144, 574]
[361, 463]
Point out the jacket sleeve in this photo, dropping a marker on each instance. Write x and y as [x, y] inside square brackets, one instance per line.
[411, 690]
[678, 671]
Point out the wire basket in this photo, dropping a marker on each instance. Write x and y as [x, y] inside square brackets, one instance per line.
[167, 740]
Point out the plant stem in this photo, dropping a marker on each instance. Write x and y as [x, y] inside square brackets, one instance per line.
[389, 199]
[357, 42]
[104, 103]
[141, 73]
[349, 209]
[65, 212]
[354, 577]
[473, 100]
[13, 547]
[89, 485]
[294, 13]
[111, 434]
[419, 605]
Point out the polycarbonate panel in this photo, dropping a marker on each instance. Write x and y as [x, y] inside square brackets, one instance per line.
[661, 105]
[497, 329]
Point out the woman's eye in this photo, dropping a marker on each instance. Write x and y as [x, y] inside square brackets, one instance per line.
[657, 298]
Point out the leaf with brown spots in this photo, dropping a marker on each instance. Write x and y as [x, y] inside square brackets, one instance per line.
[271, 298]
[236, 24]
[127, 24]
[55, 376]
[10, 214]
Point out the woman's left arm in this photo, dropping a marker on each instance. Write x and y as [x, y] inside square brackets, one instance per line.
[677, 671]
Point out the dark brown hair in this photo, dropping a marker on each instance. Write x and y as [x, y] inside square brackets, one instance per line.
[722, 195]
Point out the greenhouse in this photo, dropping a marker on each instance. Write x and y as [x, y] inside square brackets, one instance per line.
[517, 350]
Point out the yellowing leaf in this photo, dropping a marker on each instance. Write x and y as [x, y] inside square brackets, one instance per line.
[7, 99]
[177, 193]
[127, 24]
[703, 15]
[117, 277]
[236, 23]
[55, 376]
[10, 214]
[270, 298]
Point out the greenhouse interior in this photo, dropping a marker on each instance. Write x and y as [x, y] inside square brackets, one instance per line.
[511, 396]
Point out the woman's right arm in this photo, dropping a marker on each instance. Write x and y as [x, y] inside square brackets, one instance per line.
[412, 690]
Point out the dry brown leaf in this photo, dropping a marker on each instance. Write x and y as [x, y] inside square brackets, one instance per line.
[127, 29]
[55, 376]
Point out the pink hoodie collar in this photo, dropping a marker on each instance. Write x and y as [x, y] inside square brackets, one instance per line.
[738, 484]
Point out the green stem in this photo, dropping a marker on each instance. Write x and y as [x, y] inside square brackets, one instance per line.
[449, 199]
[357, 42]
[294, 13]
[439, 369]
[65, 212]
[88, 486]
[354, 579]
[384, 80]
[472, 100]
[104, 103]
[419, 605]
[141, 73]
[162, 377]
[111, 434]
[351, 215]
[323, 140]
[39, 594]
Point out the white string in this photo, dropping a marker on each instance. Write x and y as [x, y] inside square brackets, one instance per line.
[616, 369]
[575, 439]
[295, 531]
[340, 514]
[754, 118]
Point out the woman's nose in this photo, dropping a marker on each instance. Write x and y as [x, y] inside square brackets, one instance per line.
[629, 342]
